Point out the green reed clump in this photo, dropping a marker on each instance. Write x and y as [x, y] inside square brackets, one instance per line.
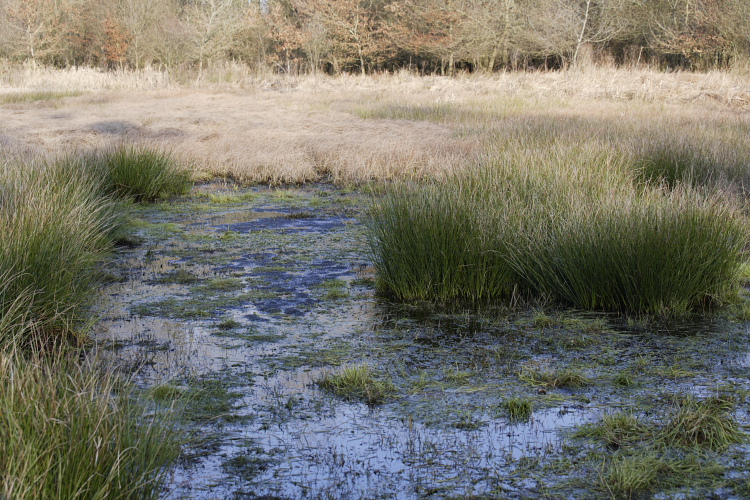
[647, 252]
[518, 408]
[55, 229]
[429, 243]
[68, 430]
[567, 223]
[139, 172]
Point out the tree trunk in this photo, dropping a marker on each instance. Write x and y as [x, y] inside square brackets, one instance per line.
[581, 35]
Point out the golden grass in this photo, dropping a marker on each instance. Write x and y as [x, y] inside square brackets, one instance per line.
[272, 129]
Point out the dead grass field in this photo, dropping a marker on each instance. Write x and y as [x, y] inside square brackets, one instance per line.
[354, 129]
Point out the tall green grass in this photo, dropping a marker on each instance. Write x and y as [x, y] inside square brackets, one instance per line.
[54, 232]
[568, 223]
[57, 221]
[138, 172]
[69, 430]
[429, 243]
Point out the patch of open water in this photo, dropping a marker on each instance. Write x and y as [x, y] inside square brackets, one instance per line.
[269, 295]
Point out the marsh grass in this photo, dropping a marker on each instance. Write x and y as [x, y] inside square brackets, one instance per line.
[26, 97]
[706, 424]
[518, 408]
[569, 225]
[618, 429]
[69, 430]
[428, 244]
[438, 112]
[676, 451]
[357, 382]
[554, 379]
[632, 475]
[55, 229]
[140, 172]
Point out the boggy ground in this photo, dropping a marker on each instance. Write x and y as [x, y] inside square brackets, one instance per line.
[254, 311]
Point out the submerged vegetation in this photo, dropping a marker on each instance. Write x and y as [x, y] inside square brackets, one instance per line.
[68, 428]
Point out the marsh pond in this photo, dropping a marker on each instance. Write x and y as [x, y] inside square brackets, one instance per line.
[252, 315]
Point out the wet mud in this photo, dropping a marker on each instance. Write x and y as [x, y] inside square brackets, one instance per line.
[235, 302]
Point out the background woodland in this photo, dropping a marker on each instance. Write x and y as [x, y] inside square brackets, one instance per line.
[367, 36]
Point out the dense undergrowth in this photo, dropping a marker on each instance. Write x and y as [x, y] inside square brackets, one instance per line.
[580, 225]
[68, 427]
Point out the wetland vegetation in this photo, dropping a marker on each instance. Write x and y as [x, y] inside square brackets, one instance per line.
[551, 304]
[69, 428]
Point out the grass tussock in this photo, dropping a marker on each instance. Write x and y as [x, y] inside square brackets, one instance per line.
[571, 224]
[616, 430]
[139, 172]
[554, 379]
[518, 408]
[54, 231]
[704, 424]
[675, 451]
[58, 220]
[633, 475]
[68, 430]
[357, 382]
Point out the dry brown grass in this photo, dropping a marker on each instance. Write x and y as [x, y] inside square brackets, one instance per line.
[271, 129]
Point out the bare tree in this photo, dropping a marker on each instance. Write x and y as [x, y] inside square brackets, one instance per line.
[31, 29]
[354, 26]
[144, 20]
[600, 21]
[213, 24]
[487, 30]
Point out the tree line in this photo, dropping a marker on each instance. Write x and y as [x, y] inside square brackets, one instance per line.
[333, 36]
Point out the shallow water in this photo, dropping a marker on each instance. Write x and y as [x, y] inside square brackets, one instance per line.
[265, 296]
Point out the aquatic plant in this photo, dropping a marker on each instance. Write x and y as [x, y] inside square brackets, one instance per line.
[357, 382]
[618, 429]
[554, 379]
[706, 424]
[518, 408]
